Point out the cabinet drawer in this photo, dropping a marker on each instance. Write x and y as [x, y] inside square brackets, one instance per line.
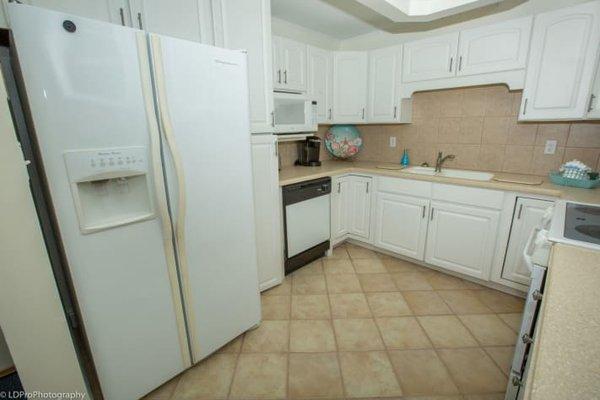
[468, 195]
[404, 186]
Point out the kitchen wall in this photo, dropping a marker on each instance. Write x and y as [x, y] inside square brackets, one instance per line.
[479, 125]
[288, 151]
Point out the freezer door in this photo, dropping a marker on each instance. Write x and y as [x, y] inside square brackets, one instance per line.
[202, 94]
[83, 83]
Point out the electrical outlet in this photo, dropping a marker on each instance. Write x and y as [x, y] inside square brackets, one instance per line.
[550, 147]
[392, 141]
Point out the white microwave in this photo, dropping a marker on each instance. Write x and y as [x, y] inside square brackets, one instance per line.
[294, 113]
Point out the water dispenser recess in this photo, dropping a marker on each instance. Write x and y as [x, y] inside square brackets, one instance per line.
[110, 187]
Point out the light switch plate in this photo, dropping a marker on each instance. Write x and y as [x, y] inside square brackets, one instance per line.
[550, 147]
[392, 141]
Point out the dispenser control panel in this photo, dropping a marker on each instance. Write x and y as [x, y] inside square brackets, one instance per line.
[110, 187]
[87, 165]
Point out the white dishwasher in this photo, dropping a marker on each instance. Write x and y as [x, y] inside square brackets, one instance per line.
[306, 209]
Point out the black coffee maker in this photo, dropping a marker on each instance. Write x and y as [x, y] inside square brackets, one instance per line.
[308, 152]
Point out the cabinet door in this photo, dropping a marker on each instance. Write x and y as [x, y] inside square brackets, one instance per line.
[493, 48]
[360, 206]
[267, 209]
[294, 65]
[430, 58]
[340, 207]
[349, 87]
[277, 62]
[255, 38]
[528, 214]
[384, 81]
[401, 224]
[593, 110]
[115, 11]
[462, 238]
[562, 63]
[177, 18]
[320, 81]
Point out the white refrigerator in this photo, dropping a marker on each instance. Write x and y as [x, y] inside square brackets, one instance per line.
[144, 142]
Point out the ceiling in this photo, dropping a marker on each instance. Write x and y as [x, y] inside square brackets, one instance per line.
[321, 16]
[344, 19]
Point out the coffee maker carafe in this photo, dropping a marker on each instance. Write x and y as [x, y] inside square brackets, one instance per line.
[308, 152]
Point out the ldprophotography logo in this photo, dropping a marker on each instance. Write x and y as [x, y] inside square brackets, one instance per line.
[17, 394]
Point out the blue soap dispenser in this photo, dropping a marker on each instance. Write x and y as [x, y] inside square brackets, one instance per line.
[404, 161]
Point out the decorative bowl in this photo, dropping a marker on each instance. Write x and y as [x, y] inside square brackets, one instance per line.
[343, 141]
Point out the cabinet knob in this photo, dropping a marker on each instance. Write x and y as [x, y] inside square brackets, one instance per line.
[526, 339]
[537, 295]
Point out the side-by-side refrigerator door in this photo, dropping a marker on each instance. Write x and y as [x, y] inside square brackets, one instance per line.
[202, 94]
[84, 83]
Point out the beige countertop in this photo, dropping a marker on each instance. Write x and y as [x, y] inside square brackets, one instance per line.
[566, 359]
[297, 174]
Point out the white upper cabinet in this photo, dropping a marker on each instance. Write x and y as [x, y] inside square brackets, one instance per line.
[350, 86]
[430, 58]
[462, 238]
[528, 214]
[255, 38]
[320, 82]
[289, 65]
[593, 110]
[115, 11]
[562, 63]
[384, 82]
[176, 18]
[493, 48]
[401, 224]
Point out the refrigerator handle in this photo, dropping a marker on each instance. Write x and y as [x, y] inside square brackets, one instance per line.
[161, 193]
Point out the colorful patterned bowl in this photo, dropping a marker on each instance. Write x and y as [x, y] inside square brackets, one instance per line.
[343, 141]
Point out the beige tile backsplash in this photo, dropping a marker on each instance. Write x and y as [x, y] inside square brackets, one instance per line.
[479, 125]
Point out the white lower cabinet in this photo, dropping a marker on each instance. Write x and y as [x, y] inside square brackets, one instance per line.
[351, 207]
[267, 210]
[401, 224]
[462, 238]
[528, 214]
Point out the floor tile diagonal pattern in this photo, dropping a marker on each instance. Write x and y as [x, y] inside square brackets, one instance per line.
[363, 325]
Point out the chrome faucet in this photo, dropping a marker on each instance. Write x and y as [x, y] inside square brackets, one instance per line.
[441, 159]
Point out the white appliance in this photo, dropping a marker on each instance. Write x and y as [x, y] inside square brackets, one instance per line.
[294, 113]
[306, 211]
[145, 145]
[577, 224]
[535, 255]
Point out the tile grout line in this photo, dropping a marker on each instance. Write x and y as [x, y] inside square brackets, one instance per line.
[387, 351]
[337, 348]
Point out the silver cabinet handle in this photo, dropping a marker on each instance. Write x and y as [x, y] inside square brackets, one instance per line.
[526, 339]
[431, 215]
[424, 208]
[339, 187]
[363, 113]
[395, 111]
[460, 63]
[591, 105]
[367, 187]
[278, 76]
[520, 211]
[139, 18]
[330, 113]
[285, 76]
[273, 119]
[537, 295]
[276, 149]
[451, 62]
[122, 15]
[525, 107]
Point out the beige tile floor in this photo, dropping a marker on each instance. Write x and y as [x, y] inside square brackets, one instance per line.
[365, 325]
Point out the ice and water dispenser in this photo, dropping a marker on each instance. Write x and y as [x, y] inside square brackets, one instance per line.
[110, 187]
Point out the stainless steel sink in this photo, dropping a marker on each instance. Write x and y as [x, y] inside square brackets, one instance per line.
[451, 173]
